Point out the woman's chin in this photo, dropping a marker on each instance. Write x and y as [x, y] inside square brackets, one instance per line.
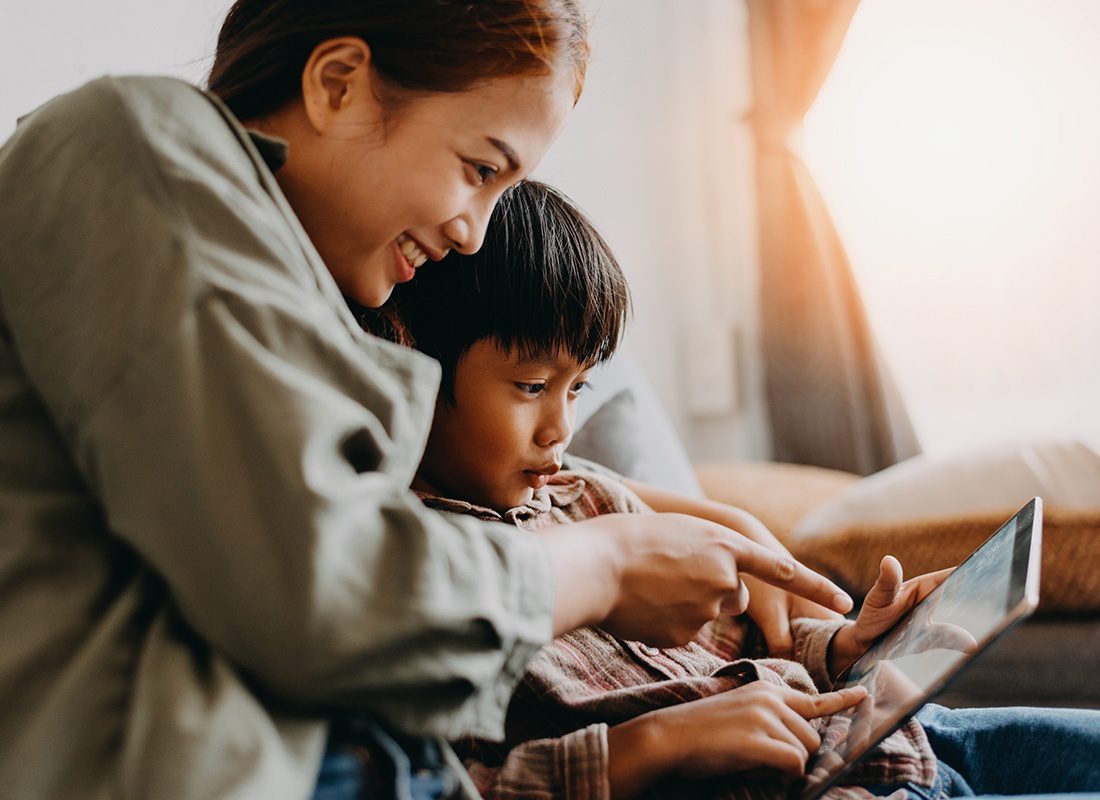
[371, 296]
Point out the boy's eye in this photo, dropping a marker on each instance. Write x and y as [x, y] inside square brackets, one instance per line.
[481, 173]
[531, 388]
[581, 386]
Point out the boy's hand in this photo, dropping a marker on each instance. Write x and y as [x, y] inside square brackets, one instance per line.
[758, 725]
[773, 609]
[885, 604]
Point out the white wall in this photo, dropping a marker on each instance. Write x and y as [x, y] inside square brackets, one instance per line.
[658, 155]
[647, 154]
[49, 46]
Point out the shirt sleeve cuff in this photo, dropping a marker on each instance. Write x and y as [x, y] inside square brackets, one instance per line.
[584, 763]
[811, 647]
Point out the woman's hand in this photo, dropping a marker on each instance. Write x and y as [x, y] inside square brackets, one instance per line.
[771, 607]
[884, 605]
[658, 578]
[759, 725]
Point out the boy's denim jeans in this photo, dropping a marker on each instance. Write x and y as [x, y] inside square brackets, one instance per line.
[1035, 752]
[400, 767]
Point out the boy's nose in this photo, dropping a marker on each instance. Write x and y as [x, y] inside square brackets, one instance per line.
[556, 428]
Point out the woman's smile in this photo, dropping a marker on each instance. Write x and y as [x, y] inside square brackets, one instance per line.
[412, 251]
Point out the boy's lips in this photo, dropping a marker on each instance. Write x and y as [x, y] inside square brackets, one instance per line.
[547, 469]
[539, 477]
[535, 480]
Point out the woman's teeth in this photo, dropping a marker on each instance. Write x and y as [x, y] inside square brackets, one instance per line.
[413, 254]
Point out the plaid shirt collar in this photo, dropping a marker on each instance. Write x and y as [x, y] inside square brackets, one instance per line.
[559, 492]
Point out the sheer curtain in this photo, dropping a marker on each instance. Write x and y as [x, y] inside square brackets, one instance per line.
[830, 399]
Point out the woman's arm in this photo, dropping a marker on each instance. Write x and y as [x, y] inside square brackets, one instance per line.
[771, 607]
[215, 408]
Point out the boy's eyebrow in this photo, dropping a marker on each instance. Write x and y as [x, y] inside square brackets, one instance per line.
[552, 362]
[506, 151]
[536, 360]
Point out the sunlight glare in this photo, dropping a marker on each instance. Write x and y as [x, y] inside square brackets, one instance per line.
[956, 145]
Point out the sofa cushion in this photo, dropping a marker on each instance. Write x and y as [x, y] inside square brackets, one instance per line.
[621, 425]
[932, 512]
[780, 495]
[610, 436]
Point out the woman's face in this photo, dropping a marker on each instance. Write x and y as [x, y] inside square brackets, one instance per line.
[379, 193]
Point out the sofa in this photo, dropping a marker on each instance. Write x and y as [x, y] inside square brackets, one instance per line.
[930, 512]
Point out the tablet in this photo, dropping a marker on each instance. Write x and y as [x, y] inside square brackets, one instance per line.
[988, 593]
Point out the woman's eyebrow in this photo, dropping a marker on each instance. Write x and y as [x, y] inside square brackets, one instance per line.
[506, 151]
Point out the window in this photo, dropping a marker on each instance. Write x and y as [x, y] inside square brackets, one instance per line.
[957, 144]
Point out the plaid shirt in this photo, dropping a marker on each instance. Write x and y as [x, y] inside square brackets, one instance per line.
[587, 680]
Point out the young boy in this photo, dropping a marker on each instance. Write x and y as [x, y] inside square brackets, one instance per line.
[517, 329]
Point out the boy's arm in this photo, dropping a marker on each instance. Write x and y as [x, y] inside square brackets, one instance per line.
[574, 765]
[758, 725]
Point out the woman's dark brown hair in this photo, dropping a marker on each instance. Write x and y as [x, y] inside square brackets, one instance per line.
[416, 45]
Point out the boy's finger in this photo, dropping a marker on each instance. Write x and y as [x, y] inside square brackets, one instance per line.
[887, 586]
[822, 705]
[786, 573]
[777, 635]
[889, 575]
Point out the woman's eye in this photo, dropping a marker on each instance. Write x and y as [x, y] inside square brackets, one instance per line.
[482, 173]
[531, 388]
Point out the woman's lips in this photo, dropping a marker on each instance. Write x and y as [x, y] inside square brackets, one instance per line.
[405, 271]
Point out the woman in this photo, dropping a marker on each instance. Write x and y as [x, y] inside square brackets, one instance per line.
[209, 545]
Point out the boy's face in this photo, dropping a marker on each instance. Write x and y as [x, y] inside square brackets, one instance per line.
[505, 435]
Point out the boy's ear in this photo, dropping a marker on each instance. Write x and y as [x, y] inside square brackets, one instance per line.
[336, 81]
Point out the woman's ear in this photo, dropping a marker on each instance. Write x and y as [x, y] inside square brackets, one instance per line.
[335, 80]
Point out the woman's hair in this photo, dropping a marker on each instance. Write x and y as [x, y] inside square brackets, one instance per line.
[416, 45]
[543, 282]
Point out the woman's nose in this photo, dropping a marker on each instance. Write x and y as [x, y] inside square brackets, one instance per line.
[467, 231]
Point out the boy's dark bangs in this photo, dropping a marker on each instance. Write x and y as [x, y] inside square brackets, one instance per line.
[547, 281]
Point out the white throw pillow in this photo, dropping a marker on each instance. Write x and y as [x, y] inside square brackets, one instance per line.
[1066, 474]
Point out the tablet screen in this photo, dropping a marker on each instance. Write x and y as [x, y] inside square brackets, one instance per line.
[912, 661]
